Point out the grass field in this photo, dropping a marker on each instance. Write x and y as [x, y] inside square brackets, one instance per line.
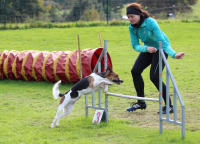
[27, 108]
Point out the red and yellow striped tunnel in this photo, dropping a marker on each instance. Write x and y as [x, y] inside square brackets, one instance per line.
[33, 65]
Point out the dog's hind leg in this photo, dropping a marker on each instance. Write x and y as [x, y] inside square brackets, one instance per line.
[60, 108]
[67, 109]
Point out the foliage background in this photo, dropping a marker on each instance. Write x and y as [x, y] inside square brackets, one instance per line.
[25, 11]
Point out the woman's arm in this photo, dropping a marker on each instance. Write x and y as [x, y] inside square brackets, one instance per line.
[135, 42]
[160, 37]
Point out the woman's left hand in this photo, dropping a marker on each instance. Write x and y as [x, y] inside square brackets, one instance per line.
[179, 55]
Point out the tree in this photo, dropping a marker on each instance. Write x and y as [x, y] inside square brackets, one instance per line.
[54, 12]
[113, 6]
[18, 10]
[64, 4]
[158, 6]
[80, 6]
[90, 14]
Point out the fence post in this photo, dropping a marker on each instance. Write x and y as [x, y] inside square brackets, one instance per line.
[4, 13]
[174, 11]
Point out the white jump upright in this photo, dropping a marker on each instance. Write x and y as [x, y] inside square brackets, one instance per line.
[168, 75]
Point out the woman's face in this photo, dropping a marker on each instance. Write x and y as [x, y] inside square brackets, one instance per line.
[134, 19]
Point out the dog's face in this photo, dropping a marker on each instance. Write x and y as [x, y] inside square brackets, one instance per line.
[113, 77]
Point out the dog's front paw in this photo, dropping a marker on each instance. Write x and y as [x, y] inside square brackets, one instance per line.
[105, 89]
[52, 126]
[108, 83]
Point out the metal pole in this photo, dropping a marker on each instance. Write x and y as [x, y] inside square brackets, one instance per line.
[107, 12]
[106, 107]
[132, 97]
[99, 92]
[175, 105]
[86, 105]
[4, 13]
[183, 122]
[95, 68]
[160, 86]
[167, 93]
[93, 100]
[105, 67]
[105, 55]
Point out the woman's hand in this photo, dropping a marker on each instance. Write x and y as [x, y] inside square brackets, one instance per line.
[179, 55]
[151, 49]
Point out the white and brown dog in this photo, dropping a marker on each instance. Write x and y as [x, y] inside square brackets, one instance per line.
[88, 85]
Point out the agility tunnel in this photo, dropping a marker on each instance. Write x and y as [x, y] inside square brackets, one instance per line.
[2, 60]
[33, 65]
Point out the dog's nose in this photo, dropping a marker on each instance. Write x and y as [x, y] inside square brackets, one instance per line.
[121, 81]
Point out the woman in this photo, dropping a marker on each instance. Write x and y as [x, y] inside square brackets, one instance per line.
[145, 28]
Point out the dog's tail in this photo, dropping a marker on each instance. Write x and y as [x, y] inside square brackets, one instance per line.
[56, 92]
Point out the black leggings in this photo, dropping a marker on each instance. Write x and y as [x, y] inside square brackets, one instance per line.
[142, 62]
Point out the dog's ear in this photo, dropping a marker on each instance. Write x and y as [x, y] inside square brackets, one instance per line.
[108, 70]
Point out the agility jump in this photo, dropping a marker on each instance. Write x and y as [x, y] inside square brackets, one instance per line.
[176, 93]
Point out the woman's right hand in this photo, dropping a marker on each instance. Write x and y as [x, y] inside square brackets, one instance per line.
[179, 55]
[151, 49]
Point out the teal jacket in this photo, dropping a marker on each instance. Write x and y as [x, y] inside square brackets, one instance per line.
[150, 34]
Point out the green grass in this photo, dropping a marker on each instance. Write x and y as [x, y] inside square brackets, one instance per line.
[27, 108]
[40, 24]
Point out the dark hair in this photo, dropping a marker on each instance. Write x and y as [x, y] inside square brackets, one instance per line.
[138, 6]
